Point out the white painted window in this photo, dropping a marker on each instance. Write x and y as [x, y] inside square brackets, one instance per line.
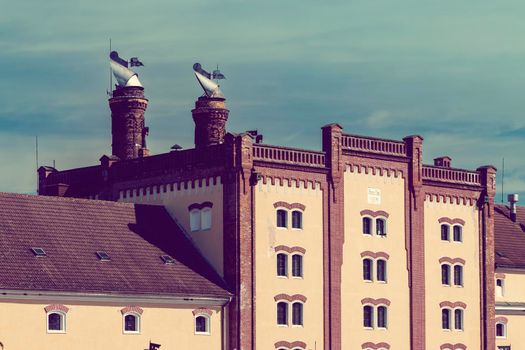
[282, 313]
[131, 323]
[501, 330]
[381, 227]
[56, 322]
[500, 287]
[195, 220]
[282, 218]
[458, 233]
[382, 317]
[206, 219]
[297, 314]
[202, 324]
[297, 219]
[381, 270]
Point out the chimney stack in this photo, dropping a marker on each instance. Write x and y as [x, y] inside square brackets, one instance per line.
[513, 199]
[210, 116]
[444, 161]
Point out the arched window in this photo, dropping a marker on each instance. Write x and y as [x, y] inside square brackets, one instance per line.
[206, 219]
[56, 322]
[382, 317]
[297, 265]
[367, 269]
[202, 324]
[458, 233]
[458, 319]
[367, 226]
[381, 227]
[195, 220]
[445, 232]
[282, 265]
[131, 323]
[501, 330]
[282, 313]
[282, 216]
[297, 219]
[445, 274]
[458, 275]
[368, 316]
[500, 283]
[381, 270]
[445, 319]
[297, 314]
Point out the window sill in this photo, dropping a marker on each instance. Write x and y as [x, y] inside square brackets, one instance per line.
[368, 328]
[297, 326]
[131, 332]
[297, 277]
[55, 332]
[282, 325]
[382, 329]
[282, 228]
[297, 229]
[282, 277]
[382, 282]
[368, 281]
[458, 286]
[445, 285]
[202, 333]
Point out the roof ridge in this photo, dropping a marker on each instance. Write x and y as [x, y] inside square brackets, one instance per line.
[68, 199]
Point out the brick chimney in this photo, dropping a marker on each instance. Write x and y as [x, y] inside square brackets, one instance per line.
[210, 116]
[128, 105]
[513, 200]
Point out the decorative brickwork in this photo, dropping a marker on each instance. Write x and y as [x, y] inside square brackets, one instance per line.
[501, 319]
[451, 221]
[210, 116]
[453, 305]
[283, 248]
[452, 260]
[200, 205]
[290, 298]
[134, 309]
[57, 307]
[202, 311]
[375, 346]
[448, 346]
[289, 206]
[500, 276]
[290, 345]
[374, 214]
[372, 301]
[375, 255]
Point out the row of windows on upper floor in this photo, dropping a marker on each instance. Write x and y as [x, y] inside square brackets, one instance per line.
[283, 314]
[282, 265]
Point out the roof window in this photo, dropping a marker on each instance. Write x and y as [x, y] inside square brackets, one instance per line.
[39, 252]
[167, 259]
[103, 256]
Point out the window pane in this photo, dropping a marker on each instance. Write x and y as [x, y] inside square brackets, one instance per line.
[297, 219]
[206, 219]
[381, 270]
[381, 316]
[380, 227]
[282, 313]
[282, 262]
[458, 275]
[281, 218]
[445, 274]
[500, 330]
[367, 269]
[367, 226]
[55, 322]
[458, 319]
[195, 220]
[445, 318]
[297, 265]
[367, 316]
[200, 324]
[297, 314]
[457, 233]
[444, 233]
[130, 323]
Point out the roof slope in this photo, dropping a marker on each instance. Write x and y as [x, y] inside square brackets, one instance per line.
[509, 237]
[71, 231]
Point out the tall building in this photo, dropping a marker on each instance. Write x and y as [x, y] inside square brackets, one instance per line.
[358, 245]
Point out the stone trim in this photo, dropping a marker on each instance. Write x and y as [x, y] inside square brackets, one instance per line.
[200, 205]
[202, 311]
[375, 302]
[453, 305]
[374, 170]
[376, 255]
[183, 184]
[134, 309]
[290, 298]
[283, 248]
[289, 206]
[452, 260]
[370, 345]
[451, 221]
[450, 198]
[501, 319]
[290, 345]
[277, 179]
[374, 214]
[500, 276]
[57, 307]
[457, 346]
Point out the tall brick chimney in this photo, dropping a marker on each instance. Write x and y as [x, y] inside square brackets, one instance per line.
[128, 105]
[210, 116]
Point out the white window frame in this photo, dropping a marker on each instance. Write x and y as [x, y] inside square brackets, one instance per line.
[449, 232]
[372, 317]
[302, 219]
[450, 319]
[290, 305]
[500, 291]
[385, 227]
[462, 276]
[452, 238]
[462, 320]
[206, 218]
[288, 313]
[195, 220]
[287, 220]
[62, 319]
[377, 270]
[286, 269]
[137, 322]
[377, 316]
[372, 225]
[372, 270]
[208, 324]
[504, 336]
[302, 265]
[449, 275]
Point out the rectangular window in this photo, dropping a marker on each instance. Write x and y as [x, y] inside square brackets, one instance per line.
[367, 269]
[444, 232]
[381, 270]
[381, 316]
[458, 275]
[368, 316]
[445, 274]
[297, 219]
[367, 226]
[206, 219]
[297, 314]
[297, 265]
[445, 318]
[282, 313]
[458, 233]
[281, 218]
[282, 264]
[380, 227]
[499, 287]
[458, 319]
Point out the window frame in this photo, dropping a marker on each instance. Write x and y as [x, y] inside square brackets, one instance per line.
[448, 277]
[504, 328]
[385, 316]
[371, 316]
[286, 313]
[195, 214]
[449, 321]
[460, 228]
[370, 225]
[500, 290]
[137, 323]
[461, 319]
[385, 270]
[285, 212]
[461, 275]
[208, 223]
[371, 268]
[62, 322]
[301, 313]
[285, 255]
[301, 265]
[207, 324]
[301, 219]
[385, 226]
[447, 226]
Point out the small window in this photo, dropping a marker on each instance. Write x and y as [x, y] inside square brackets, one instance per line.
[282, 265]
[297, 265]
[367, 226]
[381, 227]
[167, 259]
[382, 317]
[445, 232]
[282, 216]
[445, 319]
[458, 233]
[56, 322]
[202, 324]
[368, 316]
[367, 269]
[458, 319]
[38, 252]
[501, 331]
[500, 283]
[195, 220]
[458, 275]
[381, 270]
[282, 313]
[445, 275]
[206, 219]
[131, 323]
[103, 256]
[297, 219]
[297, 314]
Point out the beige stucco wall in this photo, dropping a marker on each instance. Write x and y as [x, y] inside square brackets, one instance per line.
[435, 292]
[210, 242]
[98, 326]
[268, 285]
[353, 288]
[515, 327]
[514, 288]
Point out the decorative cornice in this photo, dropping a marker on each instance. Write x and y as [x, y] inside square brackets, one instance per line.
[453, 305]
[287, 344]
[134, 309]
[57, 307]
[283, 248]
[370, 345]
[200, 205]
[374, 214]
[457, 346]
[501, 319]
[380, 301]
[500, 276]
[451, 221]
[289, 206]
[156, 188]
[202, 311]
[373, 170]
[452, 260]
[450, 198]
[376, 255]
[290, 298]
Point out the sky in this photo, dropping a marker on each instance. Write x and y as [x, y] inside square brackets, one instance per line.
[451, 71]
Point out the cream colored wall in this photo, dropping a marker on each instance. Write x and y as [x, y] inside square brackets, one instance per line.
[514, 286]
[268, 285]
[353, 288]
[515, 327]
[210, 242]
[436, 293]
[513, 292]
[91, 326]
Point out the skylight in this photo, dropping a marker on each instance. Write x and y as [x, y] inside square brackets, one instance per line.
[103, 256]
[167, 259]
[38, 252]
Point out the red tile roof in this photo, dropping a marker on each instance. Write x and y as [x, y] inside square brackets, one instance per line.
[509, 237]
[71, 231]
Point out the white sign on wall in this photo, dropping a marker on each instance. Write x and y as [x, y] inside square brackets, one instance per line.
[374, 196]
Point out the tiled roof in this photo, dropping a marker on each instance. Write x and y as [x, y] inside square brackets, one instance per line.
[71, 231]
[509, 237]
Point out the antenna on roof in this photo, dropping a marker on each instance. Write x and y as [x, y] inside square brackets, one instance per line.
[502, 178]
[36, 159]
[110, 91]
